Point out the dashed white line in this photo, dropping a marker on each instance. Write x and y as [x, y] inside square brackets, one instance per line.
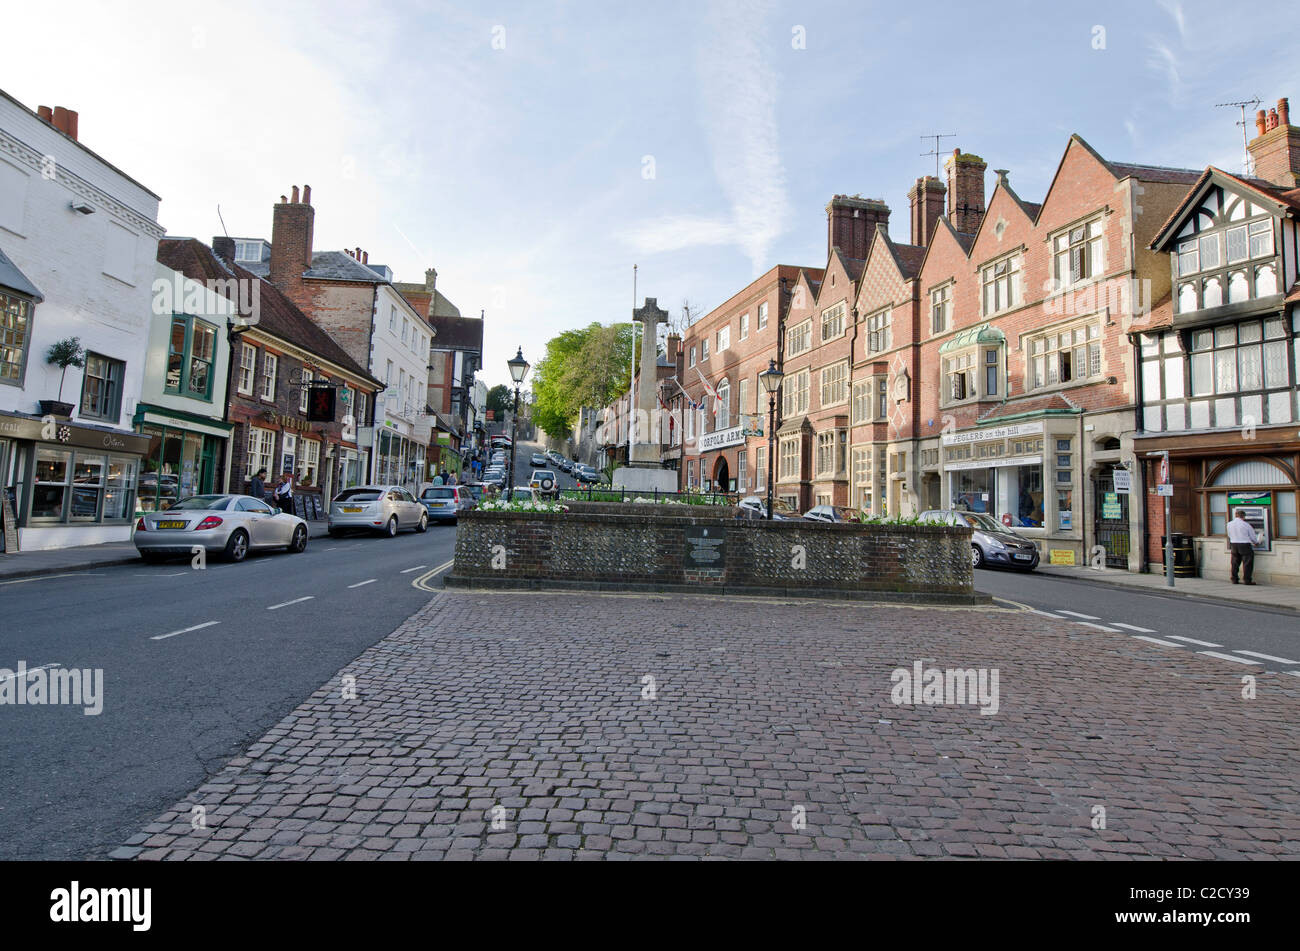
[276, 607]
[407, 571]
[1086, 617]
[14, 675]
[185, 630]
[1192, 640]
[1155, 640]
[1133, 627]
[1100, 627]
[1238, 660]
[1280, 660]
[361, 584]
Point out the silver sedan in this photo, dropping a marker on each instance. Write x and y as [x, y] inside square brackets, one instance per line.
[232, 525]
[377, 508]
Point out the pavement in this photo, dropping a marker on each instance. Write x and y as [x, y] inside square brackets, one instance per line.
[30, 564]
[559, 726]
[1270, 595]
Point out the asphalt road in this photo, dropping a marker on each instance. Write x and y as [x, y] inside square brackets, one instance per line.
[1256, 638]
[197, 664]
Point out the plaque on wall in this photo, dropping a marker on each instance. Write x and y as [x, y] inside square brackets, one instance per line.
[706, 548]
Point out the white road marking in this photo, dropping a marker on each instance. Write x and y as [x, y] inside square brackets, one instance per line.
[335, 548]
[1239, 660]
[196, 627]
[1294, 673]
[1140, 630]
[409, 570]
[276, 607]
[1100, 627]
[1086, 617]
[362, 584]
[1155, 640]
[46, 577]
[1192, 640]
[14, 675]
[1280, 660]
[1054, 617]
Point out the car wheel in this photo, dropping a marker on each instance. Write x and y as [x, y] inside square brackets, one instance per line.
[424, 523]
[976, 556]
[299, 543]
[237, 545]
[391, 528]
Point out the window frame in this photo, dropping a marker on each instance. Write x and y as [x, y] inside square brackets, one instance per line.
[15, 307]
[247, 348]
[832, 321]
[800, 333]
[271, 362]
[111, 363]
[990, 279]
[941, 307]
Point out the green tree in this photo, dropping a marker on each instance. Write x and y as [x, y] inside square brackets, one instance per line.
[499, 399]
[586, 367]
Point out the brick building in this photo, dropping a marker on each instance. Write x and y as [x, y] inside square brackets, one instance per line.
[1220, 361]
[268, 403]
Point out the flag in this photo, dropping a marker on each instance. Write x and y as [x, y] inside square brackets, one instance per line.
[717, 400]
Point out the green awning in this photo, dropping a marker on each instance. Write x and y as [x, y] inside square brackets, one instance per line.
[972, 336]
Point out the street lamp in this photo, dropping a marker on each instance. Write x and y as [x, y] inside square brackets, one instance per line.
[771, 379]
[518, 370]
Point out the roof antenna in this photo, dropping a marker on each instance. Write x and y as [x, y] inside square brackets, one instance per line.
[935, 151]
[1248, 166]
[227, 233]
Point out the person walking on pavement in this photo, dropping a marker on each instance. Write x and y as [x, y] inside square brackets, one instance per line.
[1241, 542]
[258, 488]
[284, 492]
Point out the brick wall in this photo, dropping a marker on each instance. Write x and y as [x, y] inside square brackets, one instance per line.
[921, 562]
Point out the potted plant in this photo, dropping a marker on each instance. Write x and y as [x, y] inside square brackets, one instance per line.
[63, 354]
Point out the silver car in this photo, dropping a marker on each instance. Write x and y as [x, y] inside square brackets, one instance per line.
[233, 525]
[377, 508]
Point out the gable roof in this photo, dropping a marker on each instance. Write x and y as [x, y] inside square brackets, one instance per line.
[1281, 198]
[277, 315]
[14, 279]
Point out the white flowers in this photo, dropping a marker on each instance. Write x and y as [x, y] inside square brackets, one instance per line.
[521, 506]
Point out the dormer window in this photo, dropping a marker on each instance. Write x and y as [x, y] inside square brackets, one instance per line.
[249, 250]
[1226, 232]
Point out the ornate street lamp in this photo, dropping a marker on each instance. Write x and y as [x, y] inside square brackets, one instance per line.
[771, 379]
[518, 370]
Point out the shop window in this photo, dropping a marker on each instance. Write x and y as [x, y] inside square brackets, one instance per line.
[1064, 485]
[308, 471]
[119, 488]
[15, 337]
[50, 493]
[101, 388]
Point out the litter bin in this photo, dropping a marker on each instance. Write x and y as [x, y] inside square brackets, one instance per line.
[1184, 555]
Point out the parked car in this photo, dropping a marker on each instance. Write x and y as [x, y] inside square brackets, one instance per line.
[538, 461]
[831, 513]
[232, 525]
[475, 490]
[565, 465]
[446, 502]
[992, 543]
[378, 508]
[755, 506]
[543, 480]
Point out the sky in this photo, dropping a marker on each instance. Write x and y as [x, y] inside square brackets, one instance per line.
[534, 152]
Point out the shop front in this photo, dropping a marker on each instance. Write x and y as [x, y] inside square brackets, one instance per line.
[183, 457]
[67, 483]
[721, 453]
[399, 459]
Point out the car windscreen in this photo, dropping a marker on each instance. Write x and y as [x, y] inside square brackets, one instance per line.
[358, 495]
[983, 522]
[437, 493]
[200, 503]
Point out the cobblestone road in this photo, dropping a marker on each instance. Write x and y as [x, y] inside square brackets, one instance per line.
[522, 726]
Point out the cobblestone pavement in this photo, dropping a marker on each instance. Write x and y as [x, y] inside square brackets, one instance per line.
[522, 726]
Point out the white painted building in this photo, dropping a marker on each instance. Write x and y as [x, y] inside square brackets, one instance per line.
[78, 240]
[399, 355]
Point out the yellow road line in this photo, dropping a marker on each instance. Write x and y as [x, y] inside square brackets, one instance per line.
[428, 576]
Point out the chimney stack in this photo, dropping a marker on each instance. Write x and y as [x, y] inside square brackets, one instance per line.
[292, 224]
[46, 113]
[365, 257]
[1276, 149]
[965, 190]
[851, 224]
[926, 197]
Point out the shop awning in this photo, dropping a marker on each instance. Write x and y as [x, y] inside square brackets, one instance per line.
[971, 336]
[16, 280]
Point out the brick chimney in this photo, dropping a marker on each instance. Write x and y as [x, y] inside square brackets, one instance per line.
[1276, 148]
[965, 191]
[672, 347]
[224, 248]
[926, 197]
[851, 224]
[292, 223]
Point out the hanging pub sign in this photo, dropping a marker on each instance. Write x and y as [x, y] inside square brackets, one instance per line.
[320, 404]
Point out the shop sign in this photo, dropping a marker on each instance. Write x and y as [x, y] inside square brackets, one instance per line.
[70, 434]
[994, 462]
[722, 438]
[989, 435]
[1061, 556]
[1110, 507]
[1123, 481]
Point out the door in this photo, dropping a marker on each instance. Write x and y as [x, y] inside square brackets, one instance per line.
[265, 525]
[1110, 524]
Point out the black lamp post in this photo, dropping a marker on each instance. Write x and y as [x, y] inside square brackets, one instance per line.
[771, 379]
[518, 370]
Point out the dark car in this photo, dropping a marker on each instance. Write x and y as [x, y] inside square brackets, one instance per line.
[991, 542]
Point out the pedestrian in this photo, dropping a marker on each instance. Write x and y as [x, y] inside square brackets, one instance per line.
[1241, 543]
[437, 479]
[257, 488]
[284, 492]
[451, 479]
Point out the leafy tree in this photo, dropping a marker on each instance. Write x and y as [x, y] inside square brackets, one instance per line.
[499, 399]
[587, 367]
